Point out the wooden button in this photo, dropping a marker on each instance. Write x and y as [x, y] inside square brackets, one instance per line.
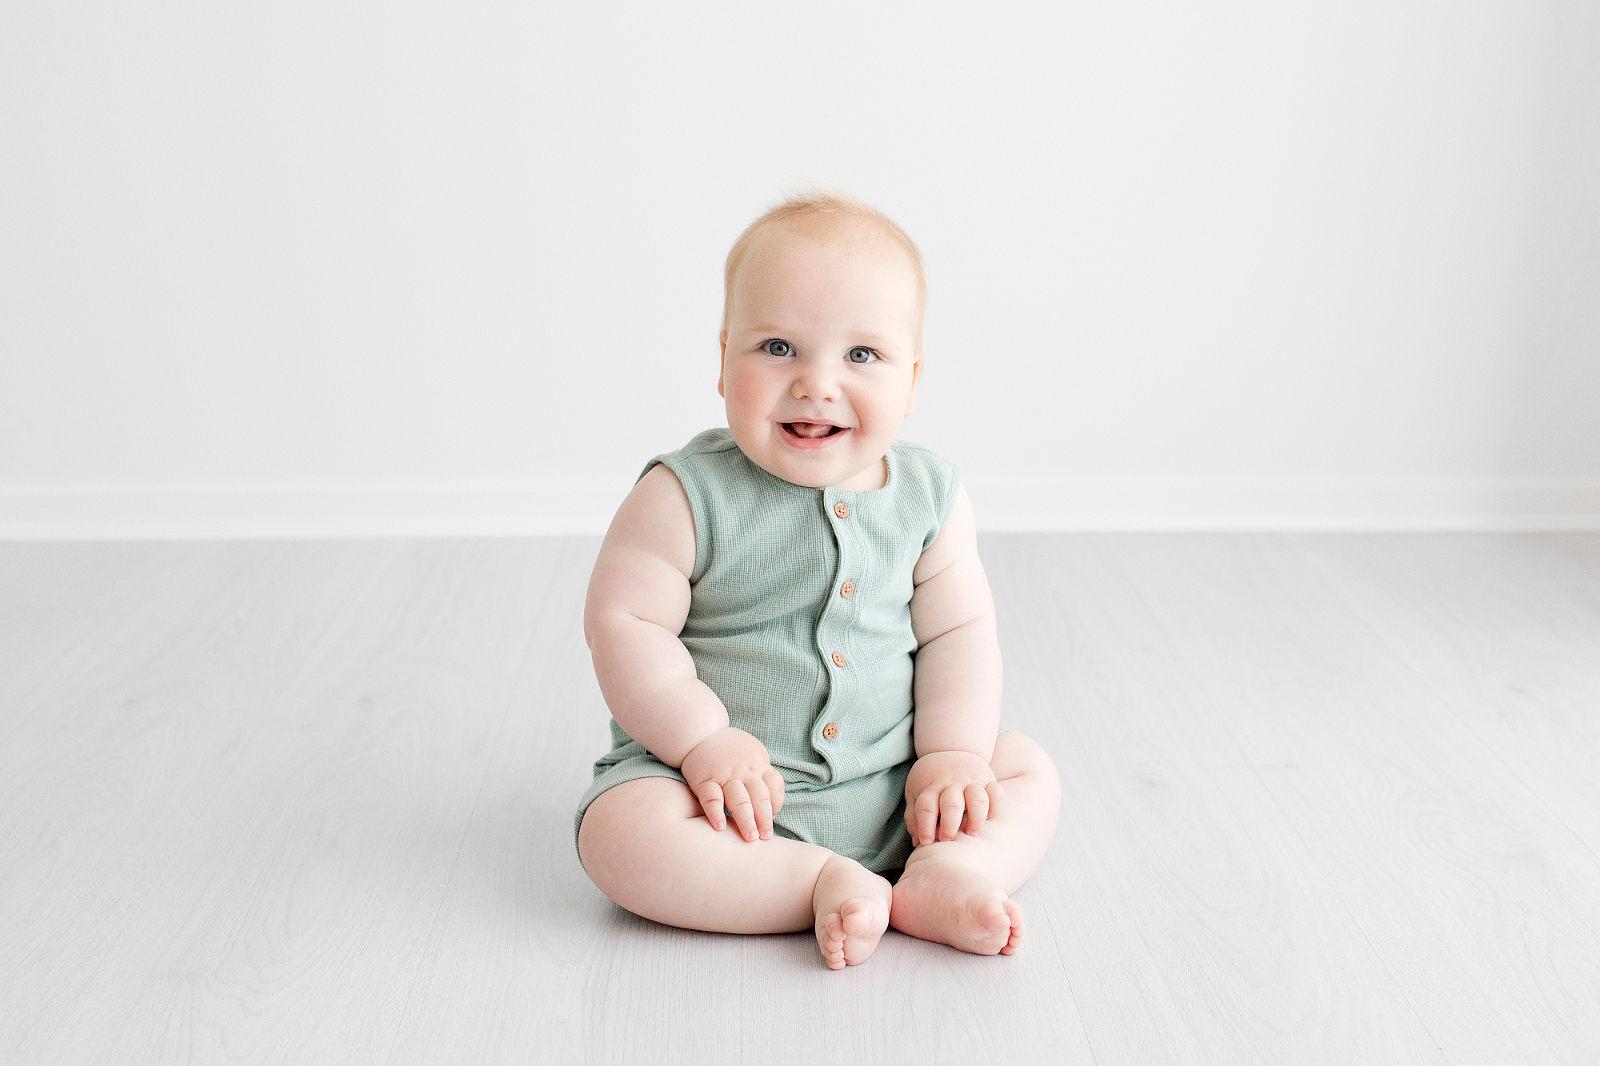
[838, 658]
[847, 589]
[830, 731]
[841, 509]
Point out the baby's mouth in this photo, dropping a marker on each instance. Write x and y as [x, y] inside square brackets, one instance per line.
[811, 430]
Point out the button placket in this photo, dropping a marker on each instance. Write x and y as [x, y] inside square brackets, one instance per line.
[835, 623]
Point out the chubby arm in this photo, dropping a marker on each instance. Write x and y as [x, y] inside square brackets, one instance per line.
[957, 680]
[638, 602]
[956, 686]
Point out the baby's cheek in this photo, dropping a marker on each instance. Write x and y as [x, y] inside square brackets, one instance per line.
[743, 398]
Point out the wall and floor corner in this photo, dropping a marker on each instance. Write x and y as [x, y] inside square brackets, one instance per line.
[331, 270]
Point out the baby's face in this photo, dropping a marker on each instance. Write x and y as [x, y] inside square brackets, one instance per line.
[817, 362]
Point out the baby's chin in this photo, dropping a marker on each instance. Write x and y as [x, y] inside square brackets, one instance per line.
[807, 471]
[823, 475]
[796, 473]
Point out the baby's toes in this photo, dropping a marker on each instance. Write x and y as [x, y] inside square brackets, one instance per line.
[1014, 941]
[830, 938]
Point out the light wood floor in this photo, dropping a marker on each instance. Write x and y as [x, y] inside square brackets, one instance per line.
[1326, 799]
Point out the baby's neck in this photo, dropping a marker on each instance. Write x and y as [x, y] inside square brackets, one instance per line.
[875, 476]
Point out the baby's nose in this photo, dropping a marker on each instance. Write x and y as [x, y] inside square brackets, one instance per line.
[814, 382]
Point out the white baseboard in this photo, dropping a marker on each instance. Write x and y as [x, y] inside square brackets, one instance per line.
[329, 510]
[585, 508]
[1255, 503]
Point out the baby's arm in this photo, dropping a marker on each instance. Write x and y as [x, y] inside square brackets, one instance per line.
[956, 686]
[637, 604]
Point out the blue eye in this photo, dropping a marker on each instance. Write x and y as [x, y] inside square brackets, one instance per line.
[862, 355]
[778, 347]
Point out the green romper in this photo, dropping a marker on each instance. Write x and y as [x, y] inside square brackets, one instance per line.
[800, 622]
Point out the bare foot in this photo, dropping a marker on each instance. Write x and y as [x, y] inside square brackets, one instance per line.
[945, 900]
[852, 908]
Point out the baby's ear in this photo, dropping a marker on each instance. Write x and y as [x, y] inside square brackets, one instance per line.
[916, 372]
[722, 360]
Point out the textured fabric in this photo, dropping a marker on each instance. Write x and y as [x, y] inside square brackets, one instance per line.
[767, 620]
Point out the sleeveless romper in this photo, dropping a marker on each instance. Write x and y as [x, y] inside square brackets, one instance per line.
[800, 622]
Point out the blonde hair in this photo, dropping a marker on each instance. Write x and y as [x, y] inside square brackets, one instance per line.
[819, 211]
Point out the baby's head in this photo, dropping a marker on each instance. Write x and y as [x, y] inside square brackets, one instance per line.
[821, 339]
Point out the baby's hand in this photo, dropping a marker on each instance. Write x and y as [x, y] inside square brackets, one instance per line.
[730, 768]
[944, 785]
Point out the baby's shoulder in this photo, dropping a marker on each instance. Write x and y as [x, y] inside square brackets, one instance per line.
[708, 442]
[924, 468]
[656, 517]
[710, 453]
[928, 486]
[919, 454]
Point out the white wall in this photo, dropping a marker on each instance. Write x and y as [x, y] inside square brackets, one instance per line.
[455, 267]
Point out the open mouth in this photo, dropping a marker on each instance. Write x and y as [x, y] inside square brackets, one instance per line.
[810, 430]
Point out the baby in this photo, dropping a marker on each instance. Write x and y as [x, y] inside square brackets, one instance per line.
[796, 639]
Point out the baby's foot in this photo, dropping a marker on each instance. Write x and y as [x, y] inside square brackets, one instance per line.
[943, 899]
[852, 909]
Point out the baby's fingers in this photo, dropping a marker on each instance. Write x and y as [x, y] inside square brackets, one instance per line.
[997, 795]
[977, 807]
[927, 815]
[709, 793]
[740, 809]
[774, 782]
[761, 798]
[951, 806]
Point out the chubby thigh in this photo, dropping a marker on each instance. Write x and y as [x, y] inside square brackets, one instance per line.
[646, 845]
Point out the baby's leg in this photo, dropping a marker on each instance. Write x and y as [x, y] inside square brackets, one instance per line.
[956, 891]
[647, 845]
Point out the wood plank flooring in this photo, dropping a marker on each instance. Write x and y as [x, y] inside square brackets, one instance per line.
[1327, 798]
